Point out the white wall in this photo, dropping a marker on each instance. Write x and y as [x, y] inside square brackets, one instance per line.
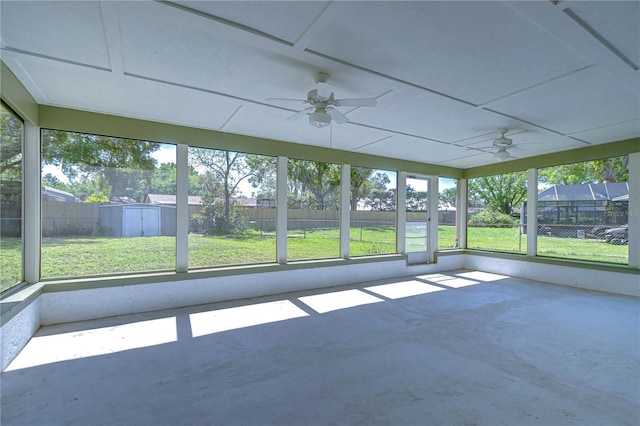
[586, 278]
[78, 305]
[15, 333]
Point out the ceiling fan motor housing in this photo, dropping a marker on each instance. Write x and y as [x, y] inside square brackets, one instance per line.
[503, 142]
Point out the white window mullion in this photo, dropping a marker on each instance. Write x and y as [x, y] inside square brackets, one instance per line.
[532, 212]
[433, 217]
[634, 210]
[31, 225]
[182, 208]
[461, 214]
[401, 212]
[345, 210]
[281, 211]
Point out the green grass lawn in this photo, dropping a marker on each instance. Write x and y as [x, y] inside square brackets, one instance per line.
[510, 241]
[67, 257]
[10, 262]
[506, 240]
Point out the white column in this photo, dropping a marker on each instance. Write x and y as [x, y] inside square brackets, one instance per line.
[634, 209]
[532, 212]
[281, 211]
[182, 208]
[31, 225]
[401, 212]
[433, 217]
[461, 214]
[345, 210]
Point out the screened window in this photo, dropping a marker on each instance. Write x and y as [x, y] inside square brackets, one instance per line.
[583, 210]
[373, 211]
[495, 205]
[231, 208]
[11, 134]
[417, 225]
[447, 188]
[313, 222]
[108, 205]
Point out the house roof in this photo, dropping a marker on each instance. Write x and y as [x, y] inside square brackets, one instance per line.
[170, 200]
[446, 75]
[586, 192]
[193, 200]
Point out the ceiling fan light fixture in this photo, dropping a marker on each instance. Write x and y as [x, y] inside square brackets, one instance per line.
[319, 118]
[502, 155]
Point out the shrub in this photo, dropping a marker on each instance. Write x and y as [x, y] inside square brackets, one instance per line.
[97, 198]
[491, 219]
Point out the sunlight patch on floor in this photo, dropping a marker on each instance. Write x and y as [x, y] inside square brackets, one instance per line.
[403, 289]
[328, 302]
[203, 323]
[98, 341]
[450, 281]
[482, 276]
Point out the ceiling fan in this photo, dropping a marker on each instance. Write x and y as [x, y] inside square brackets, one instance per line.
[323, 104]
[502, 146]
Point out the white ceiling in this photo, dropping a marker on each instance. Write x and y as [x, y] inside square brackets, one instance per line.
[447, 75]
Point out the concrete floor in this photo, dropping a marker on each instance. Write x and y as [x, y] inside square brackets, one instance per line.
[461, 348]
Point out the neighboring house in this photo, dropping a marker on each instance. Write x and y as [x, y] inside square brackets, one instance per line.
[265, 203]
[251, 203]
[170, 200]
[584, 204]
[52, 194]
[196, 201]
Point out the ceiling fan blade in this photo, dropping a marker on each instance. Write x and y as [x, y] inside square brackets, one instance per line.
[300, 114]
[361, 102]
[288, 100]
[324, 90]
[337, 116]
[481, 147]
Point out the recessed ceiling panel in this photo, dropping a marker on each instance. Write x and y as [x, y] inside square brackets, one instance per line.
[415, 149]
[620, 131]
[591, 98]
[100, 91]
[285, 20]
[182, 52]
[64, 30]
[420, 113]
[356, 138]
[618, 22]
[475, 51]
[472, 159]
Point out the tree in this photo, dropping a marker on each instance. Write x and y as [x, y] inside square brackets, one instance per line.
[11, 147]
[615, 169]
[417, 201]
[500, 193]
[224, 172]
[361, 186]
[381, 198]
[447, 197]
[164, 180]
[318, 179]
[263, 175]
[120, 167]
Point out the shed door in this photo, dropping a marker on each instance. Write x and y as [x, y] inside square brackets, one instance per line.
[140, 222]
